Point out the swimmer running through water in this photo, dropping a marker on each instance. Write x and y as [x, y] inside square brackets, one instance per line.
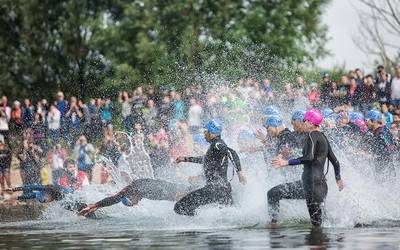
[312, 187]
[215, 166]
[142, 188]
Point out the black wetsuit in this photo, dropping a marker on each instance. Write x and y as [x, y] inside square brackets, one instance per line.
[312, 187]
[217, 188]
[56, 192]
[286, 143]
[146, 188]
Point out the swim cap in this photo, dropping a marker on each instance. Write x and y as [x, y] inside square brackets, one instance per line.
[273, 121]
[126, 201]
[361, 125]
[214, 127]
[374, 115]
[271, 110]
[355, 115]
[313, 116]
[327, 112]
[298, 115]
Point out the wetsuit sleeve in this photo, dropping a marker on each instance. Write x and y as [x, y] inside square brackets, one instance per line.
[27, 196]
[198, 159]
[30, 188]
[309, 152]
[235, 159]
[336, 165]
[109, 201]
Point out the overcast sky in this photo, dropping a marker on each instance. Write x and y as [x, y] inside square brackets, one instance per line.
[343, 23]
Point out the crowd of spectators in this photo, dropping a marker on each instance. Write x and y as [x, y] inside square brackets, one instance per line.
[169, 122]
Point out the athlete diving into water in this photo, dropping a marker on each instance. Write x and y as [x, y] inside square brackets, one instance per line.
[130, 195]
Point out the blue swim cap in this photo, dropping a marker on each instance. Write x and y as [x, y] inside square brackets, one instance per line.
[200, 139]
[327, 112]
[127, 202]
[214, 127]
[39, 196]
[355, 115]
[273, 121]
[374, 115]
[246, 135]
[271, 110]
[298, 115]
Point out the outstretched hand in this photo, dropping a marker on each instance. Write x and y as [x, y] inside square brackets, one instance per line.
[242, 178]
[279, 162]
[8, 190]
[88, 210]
[340, 184]
[179, 159]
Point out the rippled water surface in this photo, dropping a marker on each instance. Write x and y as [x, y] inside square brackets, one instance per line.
[112, 233]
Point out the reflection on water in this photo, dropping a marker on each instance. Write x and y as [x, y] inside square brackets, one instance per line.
[41, 234]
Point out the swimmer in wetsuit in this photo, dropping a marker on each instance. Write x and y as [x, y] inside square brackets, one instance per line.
[312, 187]
[215, 166]
[142, 188]
[47, 194]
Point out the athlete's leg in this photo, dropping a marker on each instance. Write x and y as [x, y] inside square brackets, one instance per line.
[293, 190]
[189, 203]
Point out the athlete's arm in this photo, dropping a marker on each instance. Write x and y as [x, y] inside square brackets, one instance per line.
[198, 159]
[336, 165]
[30, 188]
[309, 152]
[111, 200]
[235, 159]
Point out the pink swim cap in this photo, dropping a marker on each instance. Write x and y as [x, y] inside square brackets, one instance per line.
[313, 116]
[361, 125]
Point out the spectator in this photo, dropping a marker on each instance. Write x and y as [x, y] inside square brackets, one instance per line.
[73, 178]
[5, 165]
[39, 132]
[84, 155]
[165, 112]
[106, 112]
[194, 116]
[109, 149]
[382, 88]
[5, 117]
[56, 158]
[73, 120]
[367, 93]
[54, 124]
[326, 89]
[126, 109]
[16, 117]
[151, 95]
[29, 157]
[62, 106]
[179, 108]
[267, 90]
[87, 116]
[359, 77]
[150, 116]
[395, 88]
[28, 114]
[381, 71]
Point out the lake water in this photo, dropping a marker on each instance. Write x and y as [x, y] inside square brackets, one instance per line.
[116, 233]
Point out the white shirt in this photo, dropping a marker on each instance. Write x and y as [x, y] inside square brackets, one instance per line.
[194, 115]
[53, 120]
[57, 162]
[395, 88]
